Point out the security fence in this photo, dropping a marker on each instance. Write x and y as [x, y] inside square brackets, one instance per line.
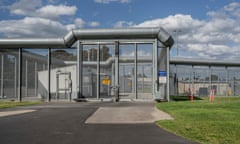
[87, 63]
[199, 80]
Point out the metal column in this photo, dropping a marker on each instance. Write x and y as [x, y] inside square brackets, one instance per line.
[98, 71]
[135, 71]
[79, 69]
[226, 68]
[175, 81]
[193, 78]
[36, 79]
[143, 78]
[49, 75]
[210, 77]
[2, 71]
[26, 79]
[155, 67]
[15, 77]
[57, 85]
[116, 60]
[167, 89]
[20, 74]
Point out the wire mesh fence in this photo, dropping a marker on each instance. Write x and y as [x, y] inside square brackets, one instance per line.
[200, 80]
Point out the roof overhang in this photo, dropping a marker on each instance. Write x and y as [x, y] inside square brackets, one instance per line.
[87, 34]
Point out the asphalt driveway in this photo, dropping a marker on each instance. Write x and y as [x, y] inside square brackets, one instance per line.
[64, 123]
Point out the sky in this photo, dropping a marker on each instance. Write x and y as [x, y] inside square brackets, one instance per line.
[208, 29]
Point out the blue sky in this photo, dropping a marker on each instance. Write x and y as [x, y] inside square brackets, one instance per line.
[206, 28]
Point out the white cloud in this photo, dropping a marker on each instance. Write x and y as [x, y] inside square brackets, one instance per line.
[70, 27]
[94, 24]
[32, 27]
[36, 9]
[216, 37]
[52, 11]
[41, 20]
[232, 6]
[109, 1]
[24, 7]
[173, 22]
[121, 24]
[79, 22]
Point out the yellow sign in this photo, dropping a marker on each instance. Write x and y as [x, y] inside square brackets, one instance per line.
[106, 81]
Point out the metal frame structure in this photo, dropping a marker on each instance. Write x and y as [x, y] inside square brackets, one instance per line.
[157, 34]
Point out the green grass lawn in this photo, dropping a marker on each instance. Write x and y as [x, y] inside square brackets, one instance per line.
[209, 123]
[9, 104]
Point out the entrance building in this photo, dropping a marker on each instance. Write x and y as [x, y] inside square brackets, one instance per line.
[91, 64]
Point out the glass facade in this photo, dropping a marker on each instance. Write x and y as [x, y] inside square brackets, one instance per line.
[90, 70]
[127, 66]
[93, 70]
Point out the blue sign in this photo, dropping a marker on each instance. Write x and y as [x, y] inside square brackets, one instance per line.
[162, 73]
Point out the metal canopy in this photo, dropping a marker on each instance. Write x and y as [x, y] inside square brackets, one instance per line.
[83, 34]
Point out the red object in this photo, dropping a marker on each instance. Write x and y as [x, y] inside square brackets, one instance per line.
[192, 97]
[190, 94]
[211, 96]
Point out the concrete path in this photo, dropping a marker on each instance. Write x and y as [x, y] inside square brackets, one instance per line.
[131, 115]
[64, 123]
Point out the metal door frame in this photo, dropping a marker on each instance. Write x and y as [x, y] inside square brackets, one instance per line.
[68, 87]
[115, 65]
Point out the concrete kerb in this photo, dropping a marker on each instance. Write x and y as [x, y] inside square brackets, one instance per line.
[15, 112]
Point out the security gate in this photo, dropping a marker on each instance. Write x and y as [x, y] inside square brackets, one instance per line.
[63, 85]
[119, 69]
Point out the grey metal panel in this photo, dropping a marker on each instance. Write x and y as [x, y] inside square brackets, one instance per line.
[32, 43]
[184, 61]
[83, 34]
[123, 33]
[70, 39]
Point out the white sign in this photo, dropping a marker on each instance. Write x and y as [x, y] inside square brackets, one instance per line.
[162, 79]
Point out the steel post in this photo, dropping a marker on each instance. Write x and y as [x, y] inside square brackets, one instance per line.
[26, 78]
[57, 85]
[143, 78]
[167, 64]
[226, 69]
[98, 71]
[79, 70]
[36, 79]
[15, 77]
[49, 76]
[20, 74]
[2, 72]
[116, 85]
[135, 71]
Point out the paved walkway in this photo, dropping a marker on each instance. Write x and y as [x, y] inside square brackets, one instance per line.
[128, 115]
[64, 123]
